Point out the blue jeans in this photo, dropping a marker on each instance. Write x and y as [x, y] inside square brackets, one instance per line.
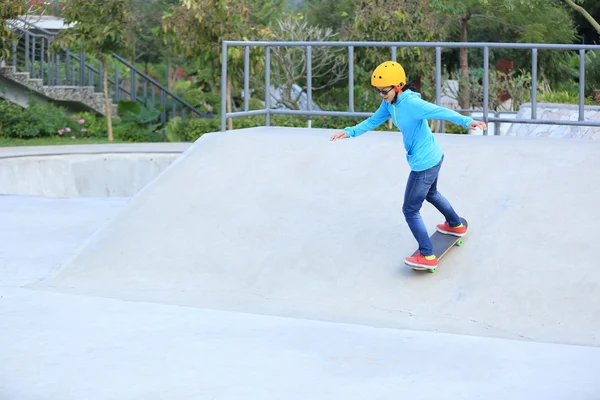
[422, 186]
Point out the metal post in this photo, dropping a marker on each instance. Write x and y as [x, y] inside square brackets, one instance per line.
[163, 104]
[33, 58]
[27, 52]
[351, 78]
[82, 68]
[132, 84]
[68, 76]
[438, 82]
[534, 54]
[496, 124]
[54, 66]
[100, 77]
[57, 66]
[223, 85]
[309, 82]
[581, 83]
[394, 53]
[42, 63]
[117, 84]
[268, 85]
[14, 53]
[486, 84]
[50, 64]
[246, 78]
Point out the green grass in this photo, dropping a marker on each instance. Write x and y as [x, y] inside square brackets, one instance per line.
[53, 141]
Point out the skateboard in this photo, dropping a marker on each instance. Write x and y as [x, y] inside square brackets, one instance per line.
[441, 242]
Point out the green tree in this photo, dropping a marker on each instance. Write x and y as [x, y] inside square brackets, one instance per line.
[575, 4]
[526, 20]
[328, 64]
[401, 21]
[101, 27]
[329, 13]
[9, 9]
[547, 23]
[146, 41]
[197, 29]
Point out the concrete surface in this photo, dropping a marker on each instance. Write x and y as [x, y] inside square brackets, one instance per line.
[37, 233]
[77, 171]
[284, 222]
[70, 347]
[77, 345]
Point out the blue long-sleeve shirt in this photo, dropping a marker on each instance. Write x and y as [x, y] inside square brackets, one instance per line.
[410, 114]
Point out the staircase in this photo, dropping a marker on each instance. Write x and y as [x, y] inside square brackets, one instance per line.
[68, 78]
[86, 95]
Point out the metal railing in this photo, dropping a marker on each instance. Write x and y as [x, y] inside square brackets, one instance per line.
[268, 111]
[32, 53]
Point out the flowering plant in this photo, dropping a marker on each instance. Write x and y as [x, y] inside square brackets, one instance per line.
[44, 7]
[596, 95]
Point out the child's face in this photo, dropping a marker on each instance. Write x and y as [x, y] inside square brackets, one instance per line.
[386, 92]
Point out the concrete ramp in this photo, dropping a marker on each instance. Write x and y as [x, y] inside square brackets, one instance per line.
[282, 221]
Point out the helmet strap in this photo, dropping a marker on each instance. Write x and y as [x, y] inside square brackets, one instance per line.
[398, 90]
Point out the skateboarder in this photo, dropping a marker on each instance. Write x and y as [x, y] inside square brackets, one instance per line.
[410, 113]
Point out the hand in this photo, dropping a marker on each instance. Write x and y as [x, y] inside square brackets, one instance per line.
[340, 135]
[478, 124]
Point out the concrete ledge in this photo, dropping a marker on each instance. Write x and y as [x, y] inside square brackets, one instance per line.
[83, 171]
[558, 112]
[24, 151]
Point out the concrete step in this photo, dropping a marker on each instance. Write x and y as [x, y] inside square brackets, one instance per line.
[83, 94]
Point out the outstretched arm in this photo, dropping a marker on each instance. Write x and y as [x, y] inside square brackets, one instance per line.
[421, 109]
[380, 116]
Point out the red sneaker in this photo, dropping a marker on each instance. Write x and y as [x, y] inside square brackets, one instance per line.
[420, 261]
[448, 230]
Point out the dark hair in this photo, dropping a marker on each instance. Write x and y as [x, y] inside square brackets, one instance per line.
[410, 85]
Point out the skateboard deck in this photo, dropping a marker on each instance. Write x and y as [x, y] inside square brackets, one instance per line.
[441, 244]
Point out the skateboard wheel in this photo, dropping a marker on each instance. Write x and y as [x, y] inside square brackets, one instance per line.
[459, 242]
[432, 270]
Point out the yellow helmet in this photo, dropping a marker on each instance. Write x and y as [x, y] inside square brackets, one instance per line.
[389, 73]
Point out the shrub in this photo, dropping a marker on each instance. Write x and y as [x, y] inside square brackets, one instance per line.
[138, 123]
[450, 127]
[90, 125]
[563, 97]
[37, 120]
[206, 103]
[174, 129]
[192, 129]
